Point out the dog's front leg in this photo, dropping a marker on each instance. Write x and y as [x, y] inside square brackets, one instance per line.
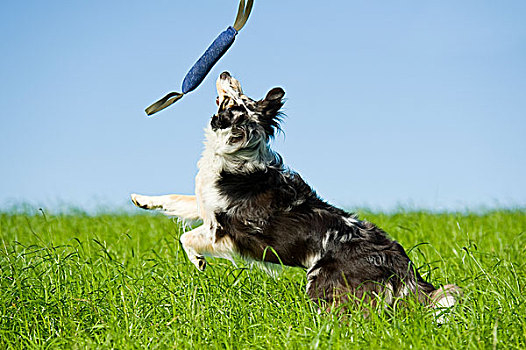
[196, 243]
[182, 206]
[202, 241]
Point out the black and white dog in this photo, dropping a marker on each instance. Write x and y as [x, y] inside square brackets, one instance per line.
[253, 206]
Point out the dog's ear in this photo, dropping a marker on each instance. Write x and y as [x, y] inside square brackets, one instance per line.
[268, 110]
[271, 104]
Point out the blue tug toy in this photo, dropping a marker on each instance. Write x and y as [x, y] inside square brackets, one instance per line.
[205, 63]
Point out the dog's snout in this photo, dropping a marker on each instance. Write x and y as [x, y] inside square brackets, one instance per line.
[227, 86]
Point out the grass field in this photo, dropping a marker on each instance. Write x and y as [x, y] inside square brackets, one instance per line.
[122, 281]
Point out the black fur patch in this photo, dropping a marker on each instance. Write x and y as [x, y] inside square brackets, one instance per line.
[274, 216]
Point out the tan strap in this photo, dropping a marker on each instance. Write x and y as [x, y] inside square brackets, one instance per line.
[164, 102]
[242, 14]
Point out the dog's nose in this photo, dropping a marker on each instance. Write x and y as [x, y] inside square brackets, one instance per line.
[225, 75]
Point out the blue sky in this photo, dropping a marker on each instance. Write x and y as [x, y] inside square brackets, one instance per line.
[412, 103]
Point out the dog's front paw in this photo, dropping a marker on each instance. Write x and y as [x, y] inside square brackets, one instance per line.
[199, 262]
[141, 201]
[189, 240]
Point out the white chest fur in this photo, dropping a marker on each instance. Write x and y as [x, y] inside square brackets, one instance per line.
[210, 166]
[221, 155]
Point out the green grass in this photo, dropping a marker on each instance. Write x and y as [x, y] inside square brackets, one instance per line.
[123, 281]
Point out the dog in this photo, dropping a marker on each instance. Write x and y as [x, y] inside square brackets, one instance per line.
[253, 206]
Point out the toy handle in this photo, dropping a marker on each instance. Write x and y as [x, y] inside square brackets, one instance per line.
[205, 63]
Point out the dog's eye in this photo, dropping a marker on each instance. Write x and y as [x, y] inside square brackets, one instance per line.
[217, 100]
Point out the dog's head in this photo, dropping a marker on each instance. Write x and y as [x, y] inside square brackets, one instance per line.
[245, 119]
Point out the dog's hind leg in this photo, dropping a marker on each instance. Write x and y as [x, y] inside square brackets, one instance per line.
[182, 206]
[443, 299]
